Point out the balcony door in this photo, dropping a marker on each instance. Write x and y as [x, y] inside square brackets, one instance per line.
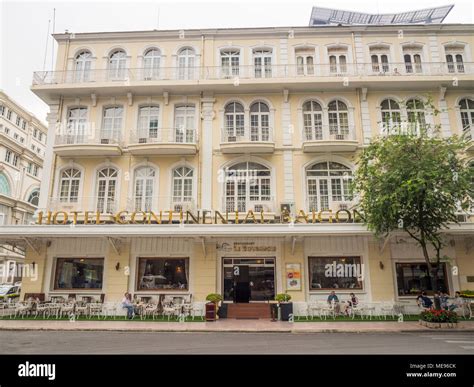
[107, 179]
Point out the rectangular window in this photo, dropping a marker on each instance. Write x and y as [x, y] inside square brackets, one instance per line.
[18, 120]
[79, 273]
[35, 133]
[9, 114]
[335, 273]
[8, 156]
[23, 125]
[412, 278]
[2, 110]
[29, 168]
[15, 160]
[163, 274]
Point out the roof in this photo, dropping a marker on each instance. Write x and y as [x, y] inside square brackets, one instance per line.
[327, 16]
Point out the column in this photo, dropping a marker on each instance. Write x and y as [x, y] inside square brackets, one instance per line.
[48, 173]
[207, 115]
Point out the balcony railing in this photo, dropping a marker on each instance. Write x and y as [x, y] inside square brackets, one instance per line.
[319, 203]
[104, 205]
[163, 135]
[244, 134]
[96, 137]
[468, 132]
[161, 203]
[249, 72]
[329, 133]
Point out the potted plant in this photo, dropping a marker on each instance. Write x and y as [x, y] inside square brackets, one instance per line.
[438, 318]
[216, 299]
[286, 307]
[467, 293]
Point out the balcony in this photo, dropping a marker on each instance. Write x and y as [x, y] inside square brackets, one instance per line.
[329, 139]
[217, 78]
[242, 205]
[247, 140]
[163, 141]
[84, 144]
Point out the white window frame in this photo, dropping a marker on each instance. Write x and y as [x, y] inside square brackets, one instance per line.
[83, 66]
[72, 176]
[182, 177]
[264, 69]
[184, 124]
[327, 182]
[144, 188]
[107, 189]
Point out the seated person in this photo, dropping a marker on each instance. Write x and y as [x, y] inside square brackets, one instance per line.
[444, 298]
[127, 304]
[351, 303]
[332, 298]
[424, 301]
[457, 303]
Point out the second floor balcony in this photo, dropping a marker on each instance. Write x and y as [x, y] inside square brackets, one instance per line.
[329, 138]
[247, 140]
[77, 143]
[162, 141]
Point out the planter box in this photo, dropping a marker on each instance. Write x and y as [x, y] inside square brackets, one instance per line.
[435, 325]
[286, 308]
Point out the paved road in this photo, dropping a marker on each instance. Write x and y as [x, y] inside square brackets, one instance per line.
[50, 342]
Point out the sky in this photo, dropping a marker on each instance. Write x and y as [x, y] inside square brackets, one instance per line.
[25, 45]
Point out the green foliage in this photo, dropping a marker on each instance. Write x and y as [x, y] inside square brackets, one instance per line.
[283, 297]
[214, 297]
[414, 181]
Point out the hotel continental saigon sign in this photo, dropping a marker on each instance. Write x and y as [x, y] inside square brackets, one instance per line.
[195, 217]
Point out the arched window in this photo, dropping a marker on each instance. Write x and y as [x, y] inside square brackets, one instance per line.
[82, 66]
[466, 108]
[312, 121]
[4, 185]
[328, 186]
[259, 122]
[69, 185]
[338, 116]
[186, 59]
[33, 198]
[76, 125]
[148, 119]
[184, 120]
[182, 188]
[230, 62]
[144, 188]
[107, 179]
[248, 187]
[416, 115]
[152, 63]
[117, 65]
[262, 60]
[391, 114]
[234, 121]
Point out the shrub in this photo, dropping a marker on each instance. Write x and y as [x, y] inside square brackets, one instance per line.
[214, 297]
[283, 297]
[439, 316]
[467, 293]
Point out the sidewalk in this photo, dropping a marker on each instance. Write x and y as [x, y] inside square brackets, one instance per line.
[228, 325]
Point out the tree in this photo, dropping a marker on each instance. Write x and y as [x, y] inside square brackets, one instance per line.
[415, 181]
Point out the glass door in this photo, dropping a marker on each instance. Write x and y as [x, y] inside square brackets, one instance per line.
[248, 279]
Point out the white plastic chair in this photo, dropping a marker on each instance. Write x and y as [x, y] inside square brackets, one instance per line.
[197, 309]
[301, 310]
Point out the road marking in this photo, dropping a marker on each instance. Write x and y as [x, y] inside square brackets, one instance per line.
[468, 347]
[459, 342]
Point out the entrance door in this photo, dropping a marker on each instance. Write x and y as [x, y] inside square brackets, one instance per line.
[248, 279]
[242, 283]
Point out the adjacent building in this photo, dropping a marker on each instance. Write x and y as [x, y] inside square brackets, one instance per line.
[219, 160]
[22, 150]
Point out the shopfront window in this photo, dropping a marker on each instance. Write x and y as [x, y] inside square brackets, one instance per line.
[163, 274]
[413, 278]
[335, 273]
[79, 273]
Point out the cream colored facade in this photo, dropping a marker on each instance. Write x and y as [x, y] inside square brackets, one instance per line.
[22, 149]
[279, 101]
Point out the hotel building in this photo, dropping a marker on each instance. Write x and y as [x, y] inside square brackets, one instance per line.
[22, 150]
[148, 129]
